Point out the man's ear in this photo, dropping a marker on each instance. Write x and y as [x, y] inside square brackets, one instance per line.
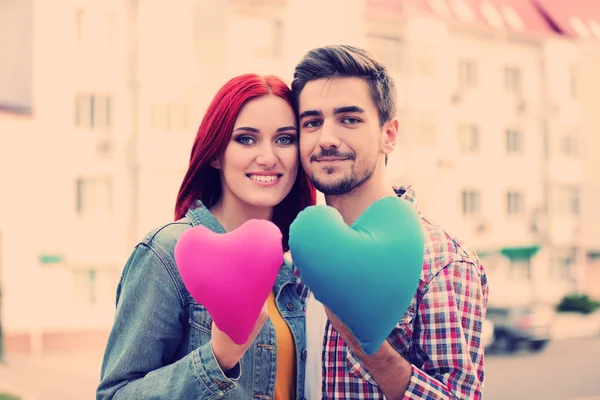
[390, 135]
[216, 164]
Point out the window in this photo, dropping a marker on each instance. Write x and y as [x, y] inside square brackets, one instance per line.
[257, 37]
[570, 145]
[514, 141]
[573, 82]
[424, 60]
[79, 25]
[468, 138]
[271, 45]
[92, 111]
[426, 129]
[470, 202]
[520, 270]
[111, 21]
[569, 198]
[545, 139]
[562, 265]
[85, 281]
[512, 80]
[170, 117]
[467, 74]
[388, 50]
[515, 204]
[94, 197]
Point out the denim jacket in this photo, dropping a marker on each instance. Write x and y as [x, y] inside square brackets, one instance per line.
[159, 346]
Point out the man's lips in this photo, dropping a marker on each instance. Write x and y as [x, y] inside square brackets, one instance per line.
[330, 159]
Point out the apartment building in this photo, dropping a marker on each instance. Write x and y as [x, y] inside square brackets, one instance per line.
[63, 96]
[475, 79]
[100, 102]
[576, 114]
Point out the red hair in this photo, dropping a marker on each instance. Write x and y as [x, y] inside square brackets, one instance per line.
[203, 182]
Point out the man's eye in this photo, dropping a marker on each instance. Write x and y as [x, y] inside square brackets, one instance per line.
[312, 124]
[350, 120]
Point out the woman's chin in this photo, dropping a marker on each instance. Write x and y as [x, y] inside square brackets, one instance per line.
[264, 202]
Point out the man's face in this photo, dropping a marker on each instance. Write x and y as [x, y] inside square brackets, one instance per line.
[341, 140]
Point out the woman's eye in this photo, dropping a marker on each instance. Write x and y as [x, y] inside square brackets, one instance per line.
[245, 140]
[285, 140]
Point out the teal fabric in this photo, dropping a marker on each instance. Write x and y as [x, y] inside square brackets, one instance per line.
[366, 273]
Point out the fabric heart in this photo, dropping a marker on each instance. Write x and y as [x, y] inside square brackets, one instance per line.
[367, 273]
[231, 274]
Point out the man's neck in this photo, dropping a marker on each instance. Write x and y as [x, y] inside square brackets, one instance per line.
[353, 204]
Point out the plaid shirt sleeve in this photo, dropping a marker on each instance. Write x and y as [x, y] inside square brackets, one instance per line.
[301, 288]
[447, 336]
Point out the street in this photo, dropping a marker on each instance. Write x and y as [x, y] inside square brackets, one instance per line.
[52, 377]
[565, 370]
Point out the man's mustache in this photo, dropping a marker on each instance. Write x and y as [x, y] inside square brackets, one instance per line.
[332, 153]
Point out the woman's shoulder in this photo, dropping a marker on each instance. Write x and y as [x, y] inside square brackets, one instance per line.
[153, 257]
[165, 237]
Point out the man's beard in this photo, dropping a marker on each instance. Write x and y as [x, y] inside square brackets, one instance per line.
[345, 185]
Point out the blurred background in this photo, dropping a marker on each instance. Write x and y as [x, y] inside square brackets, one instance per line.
[499, 106]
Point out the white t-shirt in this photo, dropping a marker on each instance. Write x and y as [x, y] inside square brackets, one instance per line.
[315, 332]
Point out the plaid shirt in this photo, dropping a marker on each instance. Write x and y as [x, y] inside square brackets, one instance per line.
[440, 333]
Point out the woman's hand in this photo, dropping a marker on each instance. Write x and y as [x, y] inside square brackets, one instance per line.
[227, 353]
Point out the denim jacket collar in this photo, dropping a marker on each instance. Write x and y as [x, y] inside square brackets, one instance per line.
[200, 215]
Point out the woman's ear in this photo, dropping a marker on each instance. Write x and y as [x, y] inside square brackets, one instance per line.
[216, 164]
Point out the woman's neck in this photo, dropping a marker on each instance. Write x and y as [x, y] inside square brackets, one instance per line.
[232, 213]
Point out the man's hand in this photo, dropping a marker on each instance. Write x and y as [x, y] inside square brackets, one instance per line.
[353, 343]
[389, 369]
[344, 333]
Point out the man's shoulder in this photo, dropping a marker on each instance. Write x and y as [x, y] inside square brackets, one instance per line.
[444, 250]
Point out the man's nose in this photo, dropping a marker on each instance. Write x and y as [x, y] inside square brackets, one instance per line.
[328, 136]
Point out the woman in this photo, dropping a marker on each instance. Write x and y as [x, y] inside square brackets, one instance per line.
[163, 345]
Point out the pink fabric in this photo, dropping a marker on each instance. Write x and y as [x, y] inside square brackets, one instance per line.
[231, 274]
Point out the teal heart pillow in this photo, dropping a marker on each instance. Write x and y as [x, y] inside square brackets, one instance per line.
[366, 273]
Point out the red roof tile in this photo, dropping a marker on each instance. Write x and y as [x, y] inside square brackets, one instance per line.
[519, 16]
[576, 18]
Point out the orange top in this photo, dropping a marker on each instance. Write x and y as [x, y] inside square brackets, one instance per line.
[285, 382]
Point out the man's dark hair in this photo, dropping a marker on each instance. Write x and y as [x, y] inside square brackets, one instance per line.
[347, 61]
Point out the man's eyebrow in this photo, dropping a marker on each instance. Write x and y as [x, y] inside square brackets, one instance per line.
[347, 109]
[310, 113]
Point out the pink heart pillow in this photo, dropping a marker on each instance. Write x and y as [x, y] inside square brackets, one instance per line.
[231, 274]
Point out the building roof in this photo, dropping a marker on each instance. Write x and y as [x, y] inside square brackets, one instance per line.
[527, 17]
[574, 18]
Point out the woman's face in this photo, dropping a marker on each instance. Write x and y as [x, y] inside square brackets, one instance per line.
[260, 164]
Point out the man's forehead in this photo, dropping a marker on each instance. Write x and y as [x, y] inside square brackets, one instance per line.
[329, 94]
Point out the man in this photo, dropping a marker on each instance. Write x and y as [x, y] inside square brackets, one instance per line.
[346, 106]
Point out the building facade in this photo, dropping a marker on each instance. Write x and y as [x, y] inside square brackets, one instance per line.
[100, 103]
